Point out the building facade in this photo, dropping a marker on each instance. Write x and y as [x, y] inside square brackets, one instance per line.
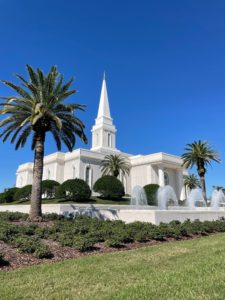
[160, 168]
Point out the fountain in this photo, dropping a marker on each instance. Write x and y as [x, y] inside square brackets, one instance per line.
[138, 196]
[166, 195]
[195, 199]
[218, 197]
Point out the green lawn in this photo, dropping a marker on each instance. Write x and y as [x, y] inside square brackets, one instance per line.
[193, 269]
[93, 200]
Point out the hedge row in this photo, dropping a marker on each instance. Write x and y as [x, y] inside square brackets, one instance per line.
[83, 233]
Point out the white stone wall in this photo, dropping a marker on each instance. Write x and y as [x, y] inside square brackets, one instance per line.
[24, 175]
[139, 175]
[71, 169]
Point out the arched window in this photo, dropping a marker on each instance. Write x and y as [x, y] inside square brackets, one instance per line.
[88, 175]
[74, 172]
[109, 140]
[48, 174]
[166, 178]
[97, 142]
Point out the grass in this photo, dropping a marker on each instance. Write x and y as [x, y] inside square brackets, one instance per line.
[93, 200]
[192, 269]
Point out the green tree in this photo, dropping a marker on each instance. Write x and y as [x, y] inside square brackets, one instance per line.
[113, 164]
[37, 109]
[218, 187]
[200, 154]
[191, 182]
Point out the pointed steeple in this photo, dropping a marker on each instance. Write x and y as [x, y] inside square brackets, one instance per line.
[104, 131]
[103, 109]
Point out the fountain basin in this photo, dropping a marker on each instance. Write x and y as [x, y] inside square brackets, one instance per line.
[127, 213]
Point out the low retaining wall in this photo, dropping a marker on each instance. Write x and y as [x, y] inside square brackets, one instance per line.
[126, 213]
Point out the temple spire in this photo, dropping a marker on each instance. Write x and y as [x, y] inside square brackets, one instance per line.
[103, 109]
[104, 131]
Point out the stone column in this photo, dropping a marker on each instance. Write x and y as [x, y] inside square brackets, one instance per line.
[161, 176]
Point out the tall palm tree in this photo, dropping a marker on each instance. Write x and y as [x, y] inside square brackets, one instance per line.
[191, 182]
[113, 164]
[200, 154]
[37, 109]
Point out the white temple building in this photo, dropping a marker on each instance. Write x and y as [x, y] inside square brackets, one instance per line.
[160, 168]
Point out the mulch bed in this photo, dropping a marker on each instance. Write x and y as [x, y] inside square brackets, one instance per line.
[19, 260]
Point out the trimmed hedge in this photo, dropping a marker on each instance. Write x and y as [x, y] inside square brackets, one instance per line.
[23, 193]
[109, 187]
[8, 195]
[74, 189]
[151, 190]
[49, 188]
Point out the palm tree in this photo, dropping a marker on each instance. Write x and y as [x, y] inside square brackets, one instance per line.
[114, 164]
[37, 109]
[200, 154]
[191, 182]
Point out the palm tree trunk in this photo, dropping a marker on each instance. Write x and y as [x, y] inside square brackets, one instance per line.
[36, 194]
[202, 181]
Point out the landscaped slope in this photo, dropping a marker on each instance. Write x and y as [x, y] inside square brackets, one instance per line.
[192, 269]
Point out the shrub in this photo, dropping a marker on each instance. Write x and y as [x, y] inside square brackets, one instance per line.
[83, 243]
[23, 193]
[74, 189]
[114, 242]
[2, 197]
[25, 244]
[42, 251]
[43, 232]
[3, 261]
[64, 240]
[8, 195]
[109, 187]
[49, 188]
[151, 190]
[53, 216]
[12, 216]
[8, 232]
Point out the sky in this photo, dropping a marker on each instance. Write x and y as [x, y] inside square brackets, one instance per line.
[164, 63]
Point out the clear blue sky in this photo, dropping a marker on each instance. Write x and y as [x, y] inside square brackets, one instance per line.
[164, 61]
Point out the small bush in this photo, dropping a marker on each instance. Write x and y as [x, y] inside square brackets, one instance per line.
[3, 261]
[109, 187]
[74, 189]
[8, 232]
[49, 188]
[83, 243]
[151, 190]
[53, 216]
[23, 193]
[114, 242]
[25, 244]
[141, 236]
[64, 240]
[12, 216]
[43, 232]
[42, 251]
[28, 230]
